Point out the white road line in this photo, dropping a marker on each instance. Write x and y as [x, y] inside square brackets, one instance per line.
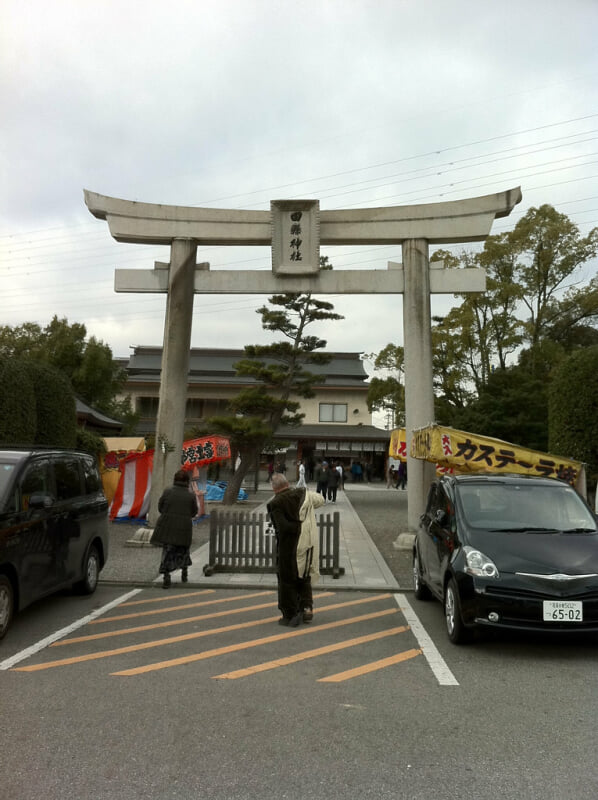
[53, 637]
[437, 664]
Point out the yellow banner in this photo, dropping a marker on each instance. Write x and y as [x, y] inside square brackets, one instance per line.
[398, 444]
[468, 452]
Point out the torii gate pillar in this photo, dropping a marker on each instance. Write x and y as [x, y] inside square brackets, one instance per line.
[170, 425]
[419, 395]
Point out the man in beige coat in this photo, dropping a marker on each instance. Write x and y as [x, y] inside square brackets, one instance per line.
[308, 551]
[298, 543]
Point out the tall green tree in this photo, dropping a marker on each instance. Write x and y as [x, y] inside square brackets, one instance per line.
[550, 250]
[452, 387]
[280, 373]
[387, 392]
[512, 406]
[88, 365]
[532, 305]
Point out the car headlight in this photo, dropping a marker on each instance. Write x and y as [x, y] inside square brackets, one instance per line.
[476, 563]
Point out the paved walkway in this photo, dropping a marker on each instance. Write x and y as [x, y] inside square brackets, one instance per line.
[365, 569]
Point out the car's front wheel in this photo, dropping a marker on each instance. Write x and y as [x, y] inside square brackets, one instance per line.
[420, 589]
[458, 633]
[91, 572]
[7, 604]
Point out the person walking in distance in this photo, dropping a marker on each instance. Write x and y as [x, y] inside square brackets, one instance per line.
[341, 475]
[322, 474]
[333, 481]
[402, 476]
[174, 528]
[287, 513]
[301, 483]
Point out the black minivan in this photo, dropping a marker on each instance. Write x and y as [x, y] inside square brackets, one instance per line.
[53, 526]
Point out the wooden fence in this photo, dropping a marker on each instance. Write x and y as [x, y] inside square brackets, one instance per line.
[241, 542]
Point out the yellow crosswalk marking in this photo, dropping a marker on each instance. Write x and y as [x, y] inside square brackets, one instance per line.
[373, 666]
[176, 662]
[165, 598]
[185, 620]
[155, 611]
[167, 624]
[197, 635]
[319, 651]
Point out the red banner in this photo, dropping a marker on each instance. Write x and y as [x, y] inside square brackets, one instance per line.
[200, 452]
[131, 500]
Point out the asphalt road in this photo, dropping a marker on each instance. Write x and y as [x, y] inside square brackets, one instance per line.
[359, 704]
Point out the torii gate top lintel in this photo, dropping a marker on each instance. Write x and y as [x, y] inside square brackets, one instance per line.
[448, 222]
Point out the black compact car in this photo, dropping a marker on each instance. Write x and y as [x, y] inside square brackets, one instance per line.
[53, 526]
[508, 551]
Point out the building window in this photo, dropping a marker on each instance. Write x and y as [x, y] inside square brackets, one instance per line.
[333, 412]
[194, 408]
[147, 406]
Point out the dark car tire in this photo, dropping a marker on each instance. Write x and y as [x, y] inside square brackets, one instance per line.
[7, 604]
[91, 572]
[457, 632]
[420, 590]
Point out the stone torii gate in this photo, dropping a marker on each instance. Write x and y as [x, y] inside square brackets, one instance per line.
[295, 229]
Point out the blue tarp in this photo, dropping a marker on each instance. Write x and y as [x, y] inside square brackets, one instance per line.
[215, 491]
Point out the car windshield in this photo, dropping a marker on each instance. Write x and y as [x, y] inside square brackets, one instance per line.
[6, 473]
[524, 507]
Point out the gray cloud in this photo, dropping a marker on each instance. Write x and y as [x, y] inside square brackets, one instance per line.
[235, 103]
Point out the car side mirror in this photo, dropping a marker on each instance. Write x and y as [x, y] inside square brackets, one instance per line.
[39, 501]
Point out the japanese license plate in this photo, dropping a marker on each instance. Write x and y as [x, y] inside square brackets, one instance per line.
[563, 611]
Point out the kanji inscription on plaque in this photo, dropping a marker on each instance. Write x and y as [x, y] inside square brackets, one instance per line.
[295, 236]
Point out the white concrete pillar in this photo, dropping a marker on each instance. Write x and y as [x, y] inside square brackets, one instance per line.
[170, 425]
[419, 393]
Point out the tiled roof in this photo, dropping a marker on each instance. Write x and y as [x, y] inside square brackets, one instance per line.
[95, 418]
[339, 431]
[209, 365]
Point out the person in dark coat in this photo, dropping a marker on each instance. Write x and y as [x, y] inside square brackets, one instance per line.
[322, 474]
[174, 529]
[284, 513]
[401, 476]
[333, 481]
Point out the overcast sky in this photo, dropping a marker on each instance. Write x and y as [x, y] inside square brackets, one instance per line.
[234, 103]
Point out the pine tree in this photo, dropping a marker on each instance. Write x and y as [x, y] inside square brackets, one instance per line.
[279, 373]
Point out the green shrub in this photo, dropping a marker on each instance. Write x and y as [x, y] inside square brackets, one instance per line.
[17, 402]
[573, 416]
[90, 442]
[55, 402]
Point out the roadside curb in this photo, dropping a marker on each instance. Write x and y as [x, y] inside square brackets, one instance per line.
[178, 587]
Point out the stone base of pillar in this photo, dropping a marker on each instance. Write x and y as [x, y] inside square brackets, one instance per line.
[404, 541]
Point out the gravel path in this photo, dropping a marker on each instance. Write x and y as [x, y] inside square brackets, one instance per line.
[384, 515]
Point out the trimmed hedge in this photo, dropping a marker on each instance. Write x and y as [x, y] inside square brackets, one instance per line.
[90, 442]
[37, 404]
[17, 402]
[573, 404]
[56, 409]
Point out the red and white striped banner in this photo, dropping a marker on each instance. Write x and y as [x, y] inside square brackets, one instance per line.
[131, 500]
[132, 496]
